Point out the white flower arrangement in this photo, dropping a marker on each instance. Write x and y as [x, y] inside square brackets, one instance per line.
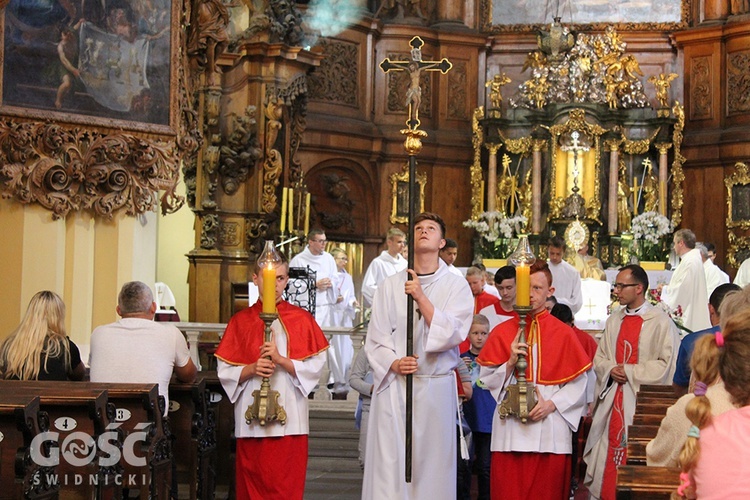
[495, 231]
[651, 227]
[651, 232]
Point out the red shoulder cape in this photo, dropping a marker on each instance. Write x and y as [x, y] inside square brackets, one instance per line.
[485, 299]
[243, 337]
[587, 342]
[561, 357]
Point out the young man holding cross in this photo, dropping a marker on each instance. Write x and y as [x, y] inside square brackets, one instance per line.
[444, 310]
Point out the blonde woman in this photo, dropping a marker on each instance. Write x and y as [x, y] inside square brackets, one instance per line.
[39, 349]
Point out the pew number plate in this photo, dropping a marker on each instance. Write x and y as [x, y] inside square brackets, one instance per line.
[214, 397]
[173, 406]
[65, 423]
[122, 415]
[2, 436]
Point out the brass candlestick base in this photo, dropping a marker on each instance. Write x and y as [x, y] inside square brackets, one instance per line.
[266, 407]
[519, 398]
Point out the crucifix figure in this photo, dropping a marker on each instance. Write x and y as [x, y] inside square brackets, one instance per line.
[415, 66]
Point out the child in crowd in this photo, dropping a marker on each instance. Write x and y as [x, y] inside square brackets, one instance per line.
[479, 410]
[360, 379]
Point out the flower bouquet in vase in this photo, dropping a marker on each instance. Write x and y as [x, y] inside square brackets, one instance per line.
[652, 237]
[495, 235]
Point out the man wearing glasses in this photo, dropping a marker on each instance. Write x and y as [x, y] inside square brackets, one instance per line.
[638, 346]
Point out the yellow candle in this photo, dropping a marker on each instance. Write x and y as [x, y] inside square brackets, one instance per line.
[269, 288]
[282, 223]
[523, 286]
[307, 213]
[290, 211]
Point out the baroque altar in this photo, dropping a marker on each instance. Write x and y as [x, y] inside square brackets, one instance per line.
[579, 140]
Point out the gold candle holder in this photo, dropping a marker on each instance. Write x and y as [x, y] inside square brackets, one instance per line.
[519, 398]
[266, 407]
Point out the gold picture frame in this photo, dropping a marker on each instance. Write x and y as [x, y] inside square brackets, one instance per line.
[738, 197]
[400, 195]
[95, 113]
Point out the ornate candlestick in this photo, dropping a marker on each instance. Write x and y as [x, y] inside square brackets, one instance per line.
[519, 397]
[266, 406]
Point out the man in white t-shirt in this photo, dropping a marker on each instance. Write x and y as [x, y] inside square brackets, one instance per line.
[137, 349]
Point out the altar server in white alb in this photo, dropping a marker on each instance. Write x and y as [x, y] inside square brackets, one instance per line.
[388, 263]
[687, 288]
[444, 310]
[566, 278]
[320, 261]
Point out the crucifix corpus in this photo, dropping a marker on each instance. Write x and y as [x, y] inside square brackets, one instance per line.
[413, 145]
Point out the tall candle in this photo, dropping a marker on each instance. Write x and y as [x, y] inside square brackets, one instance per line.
[523, 286]
[282, 226]
[307, 214]
[290, 211]
[269, 288]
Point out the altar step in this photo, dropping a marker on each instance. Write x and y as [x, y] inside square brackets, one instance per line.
[333, 471]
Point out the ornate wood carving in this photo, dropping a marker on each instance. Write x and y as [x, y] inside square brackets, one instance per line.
[88, 163]
[241, 152]
[457, 98]
[398, 84]
[209, 230]
[229, 234]
[276, 20]
[336, 80]
[738, 82]
[700, 88]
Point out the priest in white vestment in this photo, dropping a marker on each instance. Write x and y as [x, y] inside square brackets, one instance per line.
[638, 346]
[388, 263]
[443, 313]
[687, 288]
[714, 275]
[566, 278]
[742, 278]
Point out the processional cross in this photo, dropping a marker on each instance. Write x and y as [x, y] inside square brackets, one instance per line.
[413, 145]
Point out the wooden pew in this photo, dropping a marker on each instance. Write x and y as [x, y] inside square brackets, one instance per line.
[135, 405]
[20, 422]
[644, 433]
[77, 415]
[644, 419]
[225, 440]
[193, 424]
[646, 482]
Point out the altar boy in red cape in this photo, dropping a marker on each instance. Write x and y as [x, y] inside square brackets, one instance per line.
[271, 459]
[533, 460]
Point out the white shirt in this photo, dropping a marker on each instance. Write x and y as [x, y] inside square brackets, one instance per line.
[714, 276]
[687, 289]
[567, 282]
[324, 267]
[380, 268]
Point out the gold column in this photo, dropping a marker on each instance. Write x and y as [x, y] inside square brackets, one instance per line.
[663, 147]
[614, 160]
[536, 186]
[492, 177]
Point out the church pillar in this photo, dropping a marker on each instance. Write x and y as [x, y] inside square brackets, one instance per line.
[492, 178]
[536, 187]
[663, 176]
[614, 160]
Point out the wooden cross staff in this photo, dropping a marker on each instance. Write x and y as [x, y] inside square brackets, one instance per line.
[413, 145]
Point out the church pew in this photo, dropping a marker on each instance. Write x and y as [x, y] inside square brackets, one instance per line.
[652, 407]
[20, 422]
[644, 419]
[79, 416]
[135, 405]
[636, 452]
[643, 433]
[666, 390]
[193, 424]
[638, 482]
[225, 440]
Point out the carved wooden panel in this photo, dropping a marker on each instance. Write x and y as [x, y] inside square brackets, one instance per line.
[342, 198]
[398, 84]
[458, 108]
[700, 88]
[738, 82]
[336, 79]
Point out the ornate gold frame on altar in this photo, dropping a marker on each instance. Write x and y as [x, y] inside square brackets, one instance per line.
[69, 143]
[581, 140]
[738, 197]
[400, 195]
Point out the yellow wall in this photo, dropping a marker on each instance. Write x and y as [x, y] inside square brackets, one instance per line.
[174, 240]
[84, 260]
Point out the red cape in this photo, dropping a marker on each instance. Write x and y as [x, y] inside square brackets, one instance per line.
[244, 335]
[561, 357]
[587, 342]
[485, 299]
